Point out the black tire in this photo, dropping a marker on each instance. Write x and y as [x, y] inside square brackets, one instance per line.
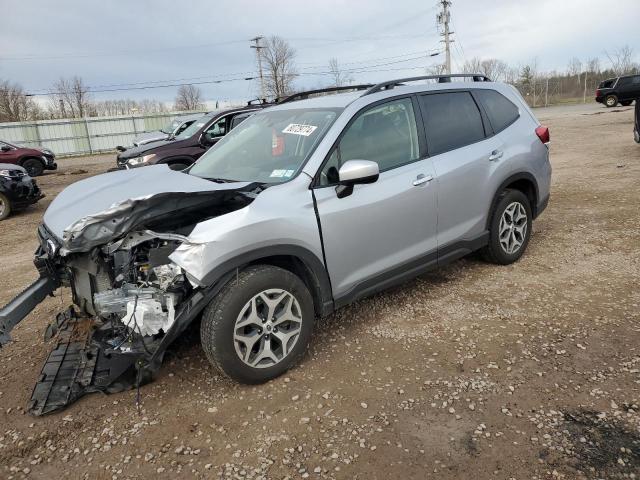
[626, 103]
[178, 166]
[5, 207]
[610, 101]
[218, 324]
[494, 251]
[33, 166]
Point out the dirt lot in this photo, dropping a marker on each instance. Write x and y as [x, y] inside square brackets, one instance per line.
[527, 371]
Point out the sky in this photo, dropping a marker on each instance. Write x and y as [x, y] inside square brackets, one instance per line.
[120, 44]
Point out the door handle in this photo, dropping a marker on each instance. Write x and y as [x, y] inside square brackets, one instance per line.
[421, 179]
[495, 155]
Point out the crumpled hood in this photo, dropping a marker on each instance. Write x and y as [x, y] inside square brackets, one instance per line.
[91, 212]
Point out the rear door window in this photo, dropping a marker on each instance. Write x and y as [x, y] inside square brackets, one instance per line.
[499, 109]
[452, 120]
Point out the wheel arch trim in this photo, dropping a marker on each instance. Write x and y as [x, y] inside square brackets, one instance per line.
[311, 262]
[508, 181]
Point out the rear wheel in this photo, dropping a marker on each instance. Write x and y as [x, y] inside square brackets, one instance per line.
[33, 166]
[611, 101]
[5, 207]
[510, 228]
[259, 325]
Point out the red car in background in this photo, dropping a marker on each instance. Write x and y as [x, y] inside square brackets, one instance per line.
[34, 160]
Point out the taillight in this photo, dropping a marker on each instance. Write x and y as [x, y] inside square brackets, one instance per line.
[597, 92]
[543, 134]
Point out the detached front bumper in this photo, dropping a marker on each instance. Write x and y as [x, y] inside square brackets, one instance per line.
[18, 308]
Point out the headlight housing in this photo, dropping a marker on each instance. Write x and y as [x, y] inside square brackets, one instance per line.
[5, 173]
[140, 160]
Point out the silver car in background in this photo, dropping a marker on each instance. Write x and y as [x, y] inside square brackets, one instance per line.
[171, 129]
[301, 209]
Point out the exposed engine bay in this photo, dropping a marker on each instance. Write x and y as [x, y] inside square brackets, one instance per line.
[130, 300]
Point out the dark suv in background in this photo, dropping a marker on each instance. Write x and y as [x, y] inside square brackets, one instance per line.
[182, 150]
[623, 90]
[33, 160]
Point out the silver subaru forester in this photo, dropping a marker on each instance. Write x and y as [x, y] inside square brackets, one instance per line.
[303, 208]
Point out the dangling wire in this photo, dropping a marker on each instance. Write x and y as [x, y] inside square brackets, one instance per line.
[138, 375]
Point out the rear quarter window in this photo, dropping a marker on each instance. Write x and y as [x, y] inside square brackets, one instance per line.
[500, 110]
[452, 120]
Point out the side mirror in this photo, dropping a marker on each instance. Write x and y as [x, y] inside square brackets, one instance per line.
[5, 148]
[207, 140]
[355, 172]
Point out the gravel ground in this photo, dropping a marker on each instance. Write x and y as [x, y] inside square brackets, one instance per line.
[526, 371]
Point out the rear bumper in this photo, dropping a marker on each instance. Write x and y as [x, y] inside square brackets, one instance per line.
[542, 205]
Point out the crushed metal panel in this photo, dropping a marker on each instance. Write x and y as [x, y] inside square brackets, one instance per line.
[78, 366]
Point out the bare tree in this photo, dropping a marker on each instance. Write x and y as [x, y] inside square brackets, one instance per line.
[527, 81]
[15, 106]
[70, 98]
[621, 60]
[279, 63]
[189, 97]
[491, 67]
[593, 65]
[437, 69]
[575, 67]
[339, 77]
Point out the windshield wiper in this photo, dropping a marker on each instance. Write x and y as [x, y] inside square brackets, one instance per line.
[220, 180]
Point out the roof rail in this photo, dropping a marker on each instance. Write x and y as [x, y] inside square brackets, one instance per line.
[308, 93]
[257, 101]
[445, 78]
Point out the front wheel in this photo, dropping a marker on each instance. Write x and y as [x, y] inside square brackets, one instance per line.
[510, 228]
[259, 325]
[626, 103]
[611, 101]
[34, 167]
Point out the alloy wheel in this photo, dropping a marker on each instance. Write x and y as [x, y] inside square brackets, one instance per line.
[267, 328]
[2, 207]
[513, 228]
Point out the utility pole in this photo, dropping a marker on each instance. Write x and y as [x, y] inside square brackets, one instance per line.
[584, 95]
[546, 94]
[443, 18]
[258, 47]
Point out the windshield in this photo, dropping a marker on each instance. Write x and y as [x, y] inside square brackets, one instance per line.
[170, 127]
[193, 128]
[269, 147]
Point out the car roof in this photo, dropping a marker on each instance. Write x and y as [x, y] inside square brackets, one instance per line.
[186, 118]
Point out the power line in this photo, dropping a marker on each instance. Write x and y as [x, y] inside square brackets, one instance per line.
[330, 41]
[248, 75]
[365, 69]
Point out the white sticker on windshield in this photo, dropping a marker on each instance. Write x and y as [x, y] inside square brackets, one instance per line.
[278, 173]
[298, 129]
[288, 173]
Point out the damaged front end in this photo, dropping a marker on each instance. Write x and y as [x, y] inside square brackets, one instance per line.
[130, 300]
